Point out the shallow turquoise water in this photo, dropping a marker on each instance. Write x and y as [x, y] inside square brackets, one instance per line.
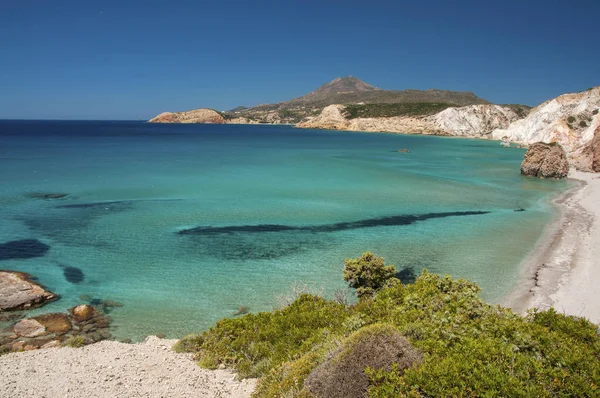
[133, 186]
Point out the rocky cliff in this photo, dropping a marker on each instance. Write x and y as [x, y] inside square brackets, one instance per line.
[468, 121]
[202, 115]
[570, 120]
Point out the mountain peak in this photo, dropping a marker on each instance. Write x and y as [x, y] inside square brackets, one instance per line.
[348, 84]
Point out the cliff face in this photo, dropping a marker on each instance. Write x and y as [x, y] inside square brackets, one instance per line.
[569, 120]
[202, 115]
[474, 120]
[468, 121]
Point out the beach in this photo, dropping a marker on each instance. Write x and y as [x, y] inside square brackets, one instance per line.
[564, 268]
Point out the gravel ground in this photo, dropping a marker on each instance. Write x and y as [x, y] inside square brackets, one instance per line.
[112, 369]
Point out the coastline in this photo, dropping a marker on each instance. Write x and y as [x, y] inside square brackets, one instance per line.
[563, 268]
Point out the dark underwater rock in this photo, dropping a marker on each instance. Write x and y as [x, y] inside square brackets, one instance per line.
[24, 248]
[47, 195]
[73, 275]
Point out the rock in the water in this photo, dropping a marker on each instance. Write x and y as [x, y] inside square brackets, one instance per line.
[18, 292]
[29, 328]
[57, 323]
[545, 161]
[51, 344]
[25, 248]
[202, 115]
[83, 312]
[46, 195]
[73, 275]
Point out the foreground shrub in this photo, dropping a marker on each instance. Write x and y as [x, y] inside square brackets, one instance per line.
[367, 273]
[469, 348]
[377, 347]
[256, 343]
[75, 342]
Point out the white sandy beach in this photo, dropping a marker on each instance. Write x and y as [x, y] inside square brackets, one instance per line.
[564, 270]
[111, 369]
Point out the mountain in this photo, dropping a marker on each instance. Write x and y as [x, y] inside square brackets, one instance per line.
[347, 90]
[342, 90]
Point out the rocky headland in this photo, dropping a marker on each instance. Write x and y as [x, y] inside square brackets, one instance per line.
[202, 115]
[18, 291]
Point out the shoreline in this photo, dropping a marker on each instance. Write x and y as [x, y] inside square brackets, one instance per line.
[561, 270]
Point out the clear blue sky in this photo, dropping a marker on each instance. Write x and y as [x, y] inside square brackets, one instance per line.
[133, 59]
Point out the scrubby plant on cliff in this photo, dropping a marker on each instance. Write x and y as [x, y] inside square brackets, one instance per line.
[469, 348]
[367, 273]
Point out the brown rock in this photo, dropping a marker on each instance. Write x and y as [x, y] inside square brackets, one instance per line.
[595, 147]
[29, 347]
[51, 344]
[57, 323]
[17, 346]
[545, 161]
[83, 312]
[202, 115]
[17, 292]
[29, 328]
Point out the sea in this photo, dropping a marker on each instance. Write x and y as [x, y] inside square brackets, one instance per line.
[187, 224]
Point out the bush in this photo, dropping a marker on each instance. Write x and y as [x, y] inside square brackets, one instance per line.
[75, 342]
[376, 347]
[582, 123]
[469, 348]
[595, 112]
[256, 343]
[367, 273]
[571, 119]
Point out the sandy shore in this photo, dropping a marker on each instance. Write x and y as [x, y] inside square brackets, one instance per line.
[564, 270]
[112, 369]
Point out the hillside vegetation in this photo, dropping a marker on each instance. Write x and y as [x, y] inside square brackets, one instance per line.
[444, 340]
[354, 111]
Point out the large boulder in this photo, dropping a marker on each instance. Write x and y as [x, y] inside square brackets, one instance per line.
[83, 312]
[377, 347]
[18, 292]
[29, 328]
[595, 147]
[545, 161]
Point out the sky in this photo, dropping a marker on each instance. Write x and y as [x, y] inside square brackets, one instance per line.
[130, 60]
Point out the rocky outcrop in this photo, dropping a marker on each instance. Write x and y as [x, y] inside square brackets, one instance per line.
[83, 324]
[569, 120]
[202, 115]
[466, 121]
[545, 161]
[474, 120]
[18, 292]
[595, 148]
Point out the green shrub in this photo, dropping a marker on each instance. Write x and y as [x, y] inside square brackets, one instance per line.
[353, 111]
[571, 119]
[75, 342]
[582, 123]
[469, 348]
[189, 343]
[256, 343]
[595, 112]
[4, 350]
[367, 273]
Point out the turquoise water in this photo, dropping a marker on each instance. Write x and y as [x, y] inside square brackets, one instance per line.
[284, 205]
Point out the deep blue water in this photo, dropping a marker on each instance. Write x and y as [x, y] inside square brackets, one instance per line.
[183, 224]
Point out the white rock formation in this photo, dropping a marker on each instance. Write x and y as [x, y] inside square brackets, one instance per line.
[570, 120]
[474, 120]
[468, 121]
